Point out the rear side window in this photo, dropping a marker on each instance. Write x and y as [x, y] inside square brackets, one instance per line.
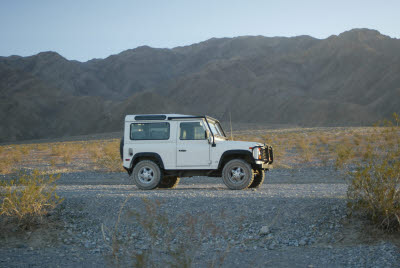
[192, 131]
[150, 131]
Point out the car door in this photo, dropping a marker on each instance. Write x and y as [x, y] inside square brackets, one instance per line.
[193, 148]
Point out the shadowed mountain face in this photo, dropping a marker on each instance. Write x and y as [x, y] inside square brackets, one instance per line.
[350, 79]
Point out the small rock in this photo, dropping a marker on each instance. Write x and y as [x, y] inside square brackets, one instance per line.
[264, 230]
[271, 246]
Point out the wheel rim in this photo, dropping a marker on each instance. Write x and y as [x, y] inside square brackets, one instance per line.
[146, 175]
[237, 175]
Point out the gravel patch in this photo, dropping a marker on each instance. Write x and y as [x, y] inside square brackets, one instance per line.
[296, 219]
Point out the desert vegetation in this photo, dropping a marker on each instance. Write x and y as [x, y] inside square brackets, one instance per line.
[28, 197]
[293, 148]
[59, 157]
[369, 159]
[298, 147]
[374, 176]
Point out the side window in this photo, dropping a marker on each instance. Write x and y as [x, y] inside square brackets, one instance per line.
[192, 131]
[150, 131]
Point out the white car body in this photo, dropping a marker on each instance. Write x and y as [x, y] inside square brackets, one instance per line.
[178, 154]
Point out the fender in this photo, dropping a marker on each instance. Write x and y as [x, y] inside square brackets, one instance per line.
[248, 155]
[148, 155]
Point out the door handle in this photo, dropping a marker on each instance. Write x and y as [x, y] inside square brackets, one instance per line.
[182, 150]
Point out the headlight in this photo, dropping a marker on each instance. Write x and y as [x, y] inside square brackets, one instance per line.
[257, 153]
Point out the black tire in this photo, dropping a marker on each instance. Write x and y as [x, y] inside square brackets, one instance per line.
[259, 177]
[121, 148]
[169, 182]
[147, 175]
[237, 174]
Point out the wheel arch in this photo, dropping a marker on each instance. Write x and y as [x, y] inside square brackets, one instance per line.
[235, 154]
[146, 156]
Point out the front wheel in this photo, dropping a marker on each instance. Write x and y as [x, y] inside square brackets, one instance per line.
[259, 178]
[147, 175]
[237, 174]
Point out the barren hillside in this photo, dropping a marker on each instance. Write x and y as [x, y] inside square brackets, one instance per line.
[350, 79]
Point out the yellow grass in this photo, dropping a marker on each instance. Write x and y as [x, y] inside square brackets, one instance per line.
[29, 203]
[311, 146]
[102, 155]
[292, 147]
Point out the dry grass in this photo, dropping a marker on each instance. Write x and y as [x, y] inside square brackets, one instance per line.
[292, 148]
[102, 155]
[375, 182]
[28, 197]
[106, 155]
[298, 147]
[369, 156]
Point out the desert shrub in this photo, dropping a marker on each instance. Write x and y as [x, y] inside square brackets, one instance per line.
[344, 152]
[10, 159]
[305, 149]
[5, 166]
[29, 196]
[24, 149]
[374, 188]
[107, 156]
[65, 153]
[41, 147]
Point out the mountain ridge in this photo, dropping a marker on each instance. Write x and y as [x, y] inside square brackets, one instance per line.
[346, 79]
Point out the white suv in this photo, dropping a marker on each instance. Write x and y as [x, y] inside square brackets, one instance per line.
[159, 149]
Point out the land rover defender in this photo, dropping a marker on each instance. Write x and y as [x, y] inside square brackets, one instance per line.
[157, 150]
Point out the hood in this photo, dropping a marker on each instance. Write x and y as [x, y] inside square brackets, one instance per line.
[242, 145]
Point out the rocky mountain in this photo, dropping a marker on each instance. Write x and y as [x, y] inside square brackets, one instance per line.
[349, 79]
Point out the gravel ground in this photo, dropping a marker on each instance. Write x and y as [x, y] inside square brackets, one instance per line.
[297, 219]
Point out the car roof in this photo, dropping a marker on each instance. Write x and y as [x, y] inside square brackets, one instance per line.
[140, 117]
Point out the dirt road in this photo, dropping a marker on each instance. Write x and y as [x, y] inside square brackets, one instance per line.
[297, 219]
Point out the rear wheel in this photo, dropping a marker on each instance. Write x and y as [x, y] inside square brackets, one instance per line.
[147, 175]
[237, 174]
[259, 177]
[169, 182]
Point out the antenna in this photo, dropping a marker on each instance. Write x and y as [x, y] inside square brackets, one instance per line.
[230, 122]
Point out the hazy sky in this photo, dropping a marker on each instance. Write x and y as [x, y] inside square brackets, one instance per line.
[84, 30]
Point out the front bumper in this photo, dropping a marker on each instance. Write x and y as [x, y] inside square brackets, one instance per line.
[263, 165]
[267, 157]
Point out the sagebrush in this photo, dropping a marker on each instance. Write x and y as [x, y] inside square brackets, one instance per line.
[374, 188]
[29, 196]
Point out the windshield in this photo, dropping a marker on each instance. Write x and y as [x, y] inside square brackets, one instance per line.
[216, 129]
